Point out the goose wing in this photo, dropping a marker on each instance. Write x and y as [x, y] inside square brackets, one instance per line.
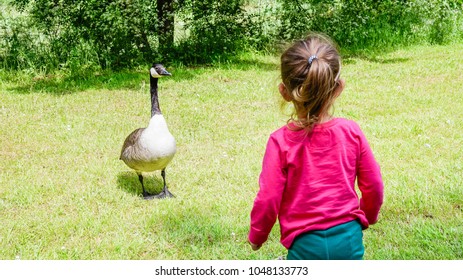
[131, 140]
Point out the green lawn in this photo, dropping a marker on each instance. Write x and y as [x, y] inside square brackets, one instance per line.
[64, 194]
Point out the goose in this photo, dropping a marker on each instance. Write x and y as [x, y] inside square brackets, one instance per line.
[151, 148]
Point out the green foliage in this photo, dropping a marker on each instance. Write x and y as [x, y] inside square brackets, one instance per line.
[118, 32]
[16, 45]
[26, 45]
[80, 36]
[445, 18]
[373, 24]
[215, 30]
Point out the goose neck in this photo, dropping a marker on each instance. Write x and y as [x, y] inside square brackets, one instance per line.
[155, 110]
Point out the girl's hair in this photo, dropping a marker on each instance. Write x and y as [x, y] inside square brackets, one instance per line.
[310, 71]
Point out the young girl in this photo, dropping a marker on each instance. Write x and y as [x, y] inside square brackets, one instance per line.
[311, 165]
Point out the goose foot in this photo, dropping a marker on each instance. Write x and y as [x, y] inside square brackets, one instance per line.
[164, 194]
[148, 196]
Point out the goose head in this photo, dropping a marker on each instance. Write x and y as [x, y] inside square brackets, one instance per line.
[158, 71]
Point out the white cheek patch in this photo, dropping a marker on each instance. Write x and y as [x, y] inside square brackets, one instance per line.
[153, 73]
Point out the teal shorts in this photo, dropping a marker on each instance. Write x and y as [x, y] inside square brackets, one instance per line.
[341, 242]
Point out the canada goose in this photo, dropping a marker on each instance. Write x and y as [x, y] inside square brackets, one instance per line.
[151, 148]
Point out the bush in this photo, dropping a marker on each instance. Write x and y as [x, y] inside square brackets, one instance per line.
[118, 33]
[215, 30]
[370, 24]
[78, 35]
[21, 45]
[122, 33]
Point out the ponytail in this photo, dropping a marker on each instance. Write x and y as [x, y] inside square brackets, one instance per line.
[310, 70]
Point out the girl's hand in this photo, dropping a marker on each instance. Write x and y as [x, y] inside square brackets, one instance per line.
[255, 247]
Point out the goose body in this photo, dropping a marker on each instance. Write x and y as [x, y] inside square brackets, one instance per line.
[151, 148]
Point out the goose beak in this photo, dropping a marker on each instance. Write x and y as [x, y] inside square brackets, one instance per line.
[165, 73]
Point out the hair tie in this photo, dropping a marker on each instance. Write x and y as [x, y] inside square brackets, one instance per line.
[311, 58]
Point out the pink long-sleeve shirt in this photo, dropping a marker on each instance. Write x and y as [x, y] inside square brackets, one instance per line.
[308, 181]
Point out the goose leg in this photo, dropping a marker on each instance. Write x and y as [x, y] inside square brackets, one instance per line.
[146, 195]
[165, 193]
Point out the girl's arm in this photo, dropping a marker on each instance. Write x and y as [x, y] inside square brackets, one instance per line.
[369, 181]
[272, 182]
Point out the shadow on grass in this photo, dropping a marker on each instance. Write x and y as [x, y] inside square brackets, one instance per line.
[352, 60]
[62, 84]
[389, 60]
[374, 56]
[128, 182]
[249, 64]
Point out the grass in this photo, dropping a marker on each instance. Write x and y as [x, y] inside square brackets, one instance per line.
[65, 195]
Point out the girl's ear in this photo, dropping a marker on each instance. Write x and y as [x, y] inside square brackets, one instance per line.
[284, 92]
[339, 88]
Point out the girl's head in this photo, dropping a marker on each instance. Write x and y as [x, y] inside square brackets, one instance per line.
[310, 71]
